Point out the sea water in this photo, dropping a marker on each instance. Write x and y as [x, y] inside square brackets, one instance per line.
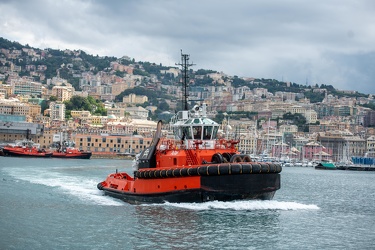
[54, 204]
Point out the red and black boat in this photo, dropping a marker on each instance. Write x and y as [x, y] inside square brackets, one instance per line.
[194, 166]
[25, 148]
[68, 151]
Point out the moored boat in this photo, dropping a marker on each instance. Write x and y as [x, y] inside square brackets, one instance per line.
[68, 151]
[72, 153]
[197, 165]
[326, 166]
[25, 148]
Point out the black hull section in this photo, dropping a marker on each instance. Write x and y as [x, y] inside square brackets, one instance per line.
[221, 188]
[83, 156]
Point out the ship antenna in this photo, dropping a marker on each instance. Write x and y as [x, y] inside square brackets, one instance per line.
[185, 77]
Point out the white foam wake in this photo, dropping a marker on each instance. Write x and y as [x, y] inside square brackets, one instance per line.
[83, 189]
[245, 205]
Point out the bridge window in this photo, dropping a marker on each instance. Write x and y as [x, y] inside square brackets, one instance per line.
[207, 132]
[186, 134]
[197, 131]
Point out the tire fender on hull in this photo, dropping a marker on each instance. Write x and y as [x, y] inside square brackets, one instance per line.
[211, 170]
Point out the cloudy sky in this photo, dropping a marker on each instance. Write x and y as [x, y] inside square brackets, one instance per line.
[313, 42]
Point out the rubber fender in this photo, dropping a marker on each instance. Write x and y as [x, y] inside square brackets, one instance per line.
[224, 169]
[169, 173]
[256, 168]
[246, 158]
[213, 169]
[227, 157]
[247, 168]
[176, 172]
[236, 168]
[278, 168]
[217, 158]
[192, 171]
[236, 158]
[265, 168]
[202, 170]
[184, 172]
[157, 174]
[163, 173]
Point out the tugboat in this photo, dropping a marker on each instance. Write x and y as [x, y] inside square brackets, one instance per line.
[25, 148]
[197, 165]
[68, 151]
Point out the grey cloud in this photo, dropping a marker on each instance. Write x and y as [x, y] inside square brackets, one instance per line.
[330, 42]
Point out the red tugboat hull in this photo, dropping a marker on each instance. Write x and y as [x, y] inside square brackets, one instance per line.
[22, 152]
[241, 181]
[25, 148]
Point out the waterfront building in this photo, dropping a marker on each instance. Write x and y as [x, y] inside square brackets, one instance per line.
[281, 150]
[370, 147]
[15, 127]
[132, 144]
[343, 144]
[313, 151]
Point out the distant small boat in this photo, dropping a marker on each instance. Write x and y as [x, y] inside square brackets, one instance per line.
[326, 166]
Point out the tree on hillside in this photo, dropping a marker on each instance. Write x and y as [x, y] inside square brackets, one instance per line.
[314, 96]
[238, 82]
[298, 119]
[85, 103]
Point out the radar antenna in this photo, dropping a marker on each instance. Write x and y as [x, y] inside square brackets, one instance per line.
[185, 77]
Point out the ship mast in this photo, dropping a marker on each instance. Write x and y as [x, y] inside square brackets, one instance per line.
[185, 77]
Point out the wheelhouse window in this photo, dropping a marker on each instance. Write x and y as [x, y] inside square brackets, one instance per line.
[197, 132]
[214, 132]
[186, 133]
[207, 132]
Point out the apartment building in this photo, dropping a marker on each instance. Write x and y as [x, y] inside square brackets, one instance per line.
[63, 93]
[57, 111]
[134, 99]
[25, 86]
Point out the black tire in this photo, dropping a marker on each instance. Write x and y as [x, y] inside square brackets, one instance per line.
[236, 158]
[217, 158]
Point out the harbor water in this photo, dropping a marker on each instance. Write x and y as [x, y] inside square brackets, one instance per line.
[54, 204]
